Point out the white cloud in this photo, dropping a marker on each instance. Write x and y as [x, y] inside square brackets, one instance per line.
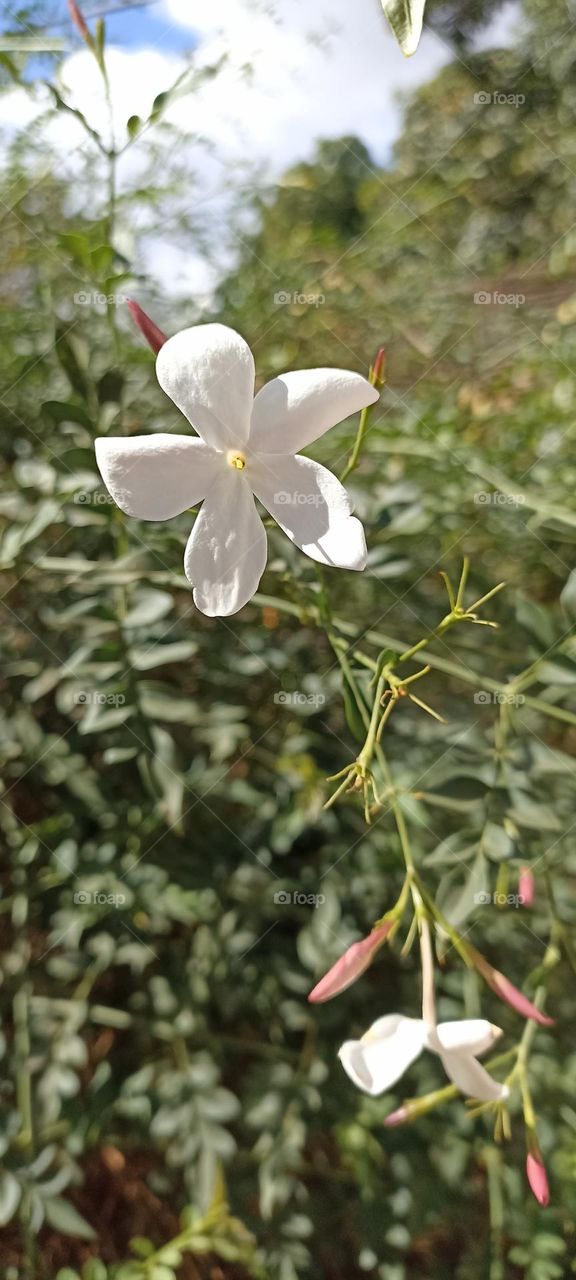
[318, 71]
[314, 72]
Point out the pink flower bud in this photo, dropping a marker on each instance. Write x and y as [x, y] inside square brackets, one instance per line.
[351, 965]
[526, 887]
[506, 989]
[536, 1174]
[397, 1117]
[153, 335]
[79, 20]
[378, 368]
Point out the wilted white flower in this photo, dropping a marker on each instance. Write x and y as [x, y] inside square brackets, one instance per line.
[392, 1043]
[246, 446]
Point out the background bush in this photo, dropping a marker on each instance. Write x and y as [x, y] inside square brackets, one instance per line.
[158, 1050]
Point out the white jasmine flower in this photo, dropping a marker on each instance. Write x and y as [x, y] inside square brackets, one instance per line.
[246, 446]
[392, 1043]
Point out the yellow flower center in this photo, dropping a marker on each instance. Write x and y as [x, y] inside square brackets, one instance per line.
[236, 460]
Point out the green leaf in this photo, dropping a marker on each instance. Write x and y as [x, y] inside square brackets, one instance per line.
[10, 1192]
[71, 354]
[110, 386]
[93, 1269]
[100, 41]
[568, 597]
[142, 1247]
[461, 902]
[66, 411]
[157, 655]
[537, 620]
[351, 711]
[158, 705]
[496, 842]
[149, 606]
[62, 1215]
[405, 18]
[134, 125]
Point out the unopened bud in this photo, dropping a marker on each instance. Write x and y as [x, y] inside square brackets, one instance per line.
[351, 965]
[397, 1117]
[526, 887]
[153, 335]
[537, 1178]
[79, 21]
[506, 989]
[377, 372]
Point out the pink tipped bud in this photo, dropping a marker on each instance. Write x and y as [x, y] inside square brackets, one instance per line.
[506, 989]
[536, 1174]
[378, 368]
[526, 887]
[79, 20]
[351, 965]
[153, 335]
[397, 1117]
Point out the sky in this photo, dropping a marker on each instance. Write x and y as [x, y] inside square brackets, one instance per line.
[319, 69]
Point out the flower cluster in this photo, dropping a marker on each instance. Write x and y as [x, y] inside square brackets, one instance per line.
[248, 447]
[392, 1043]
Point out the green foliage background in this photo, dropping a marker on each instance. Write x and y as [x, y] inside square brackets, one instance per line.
[153, 1048]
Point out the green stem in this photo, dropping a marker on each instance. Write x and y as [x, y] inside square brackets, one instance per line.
[438, 663]
[492, 1161]
[357, 448]
[365, 757]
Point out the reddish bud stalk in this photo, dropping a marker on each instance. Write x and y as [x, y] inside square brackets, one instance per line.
[377, 374]
[153, 335]
[351, 965]
[537, 1177]
[506, 989]
[526, 887]
[79, 21]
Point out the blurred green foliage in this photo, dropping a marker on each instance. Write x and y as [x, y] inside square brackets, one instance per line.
[160, 803]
